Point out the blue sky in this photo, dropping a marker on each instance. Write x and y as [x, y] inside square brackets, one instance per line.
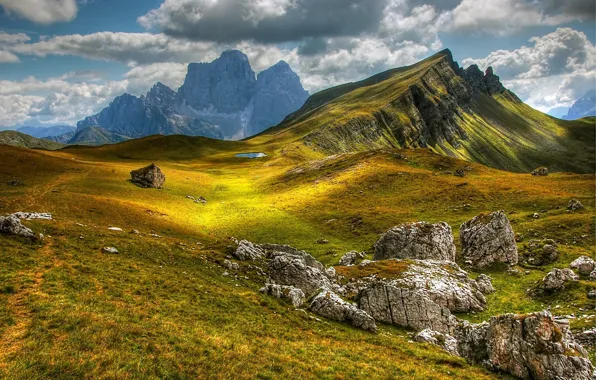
[61, 60]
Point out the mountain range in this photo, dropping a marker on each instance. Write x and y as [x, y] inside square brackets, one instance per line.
[583, 107]
[222, 99]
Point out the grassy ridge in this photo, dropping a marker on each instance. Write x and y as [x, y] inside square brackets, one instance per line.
[162, 307]
[22, 140]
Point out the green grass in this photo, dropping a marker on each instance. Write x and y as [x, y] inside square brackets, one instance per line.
[15, 138]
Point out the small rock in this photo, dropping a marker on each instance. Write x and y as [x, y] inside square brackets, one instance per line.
[111, 250]
[330, 305]
[541, 171]
[584, 265]
[556, 279]
[485, 284]
[460, 173]
[115, 229]
[350, 258]
[574, 205]
[535, 215]
[322, 241]
[135, 232]
[330, 273]
[231, 265]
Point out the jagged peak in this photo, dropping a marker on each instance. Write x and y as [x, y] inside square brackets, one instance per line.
[235, 55]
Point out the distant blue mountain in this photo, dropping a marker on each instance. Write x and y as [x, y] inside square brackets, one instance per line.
[41, 132]
[583, 107]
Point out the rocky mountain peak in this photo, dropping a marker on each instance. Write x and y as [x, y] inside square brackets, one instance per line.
[480, 82]
[161, 95]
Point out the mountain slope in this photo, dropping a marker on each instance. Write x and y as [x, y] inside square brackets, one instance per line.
[95, 136]
[437, 104]
[19, 139]
[42, 132]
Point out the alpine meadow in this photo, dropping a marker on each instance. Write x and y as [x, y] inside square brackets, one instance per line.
[304, 189]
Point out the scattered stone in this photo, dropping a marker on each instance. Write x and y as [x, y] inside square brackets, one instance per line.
[487, 239]
[231, 265]
[295, 295]
[587, 338]
[541, 171]
[460, 173]
[556, 279]
[322, 241]
[135, 232]
[446, 342]
[110, 250]
[574, 205]
[350, 258]
[33, 215]
[513, 272]
[115, 229]
[248, 251]
[535, 215]
[485, 284]
[419, 240]
[12, 225]
[330, 305]
[201, 199]
[154, 235]
[584, 265]
[592, 294]
[540, 252]
[148, 177]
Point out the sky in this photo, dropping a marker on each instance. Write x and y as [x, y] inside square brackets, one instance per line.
[62, 60]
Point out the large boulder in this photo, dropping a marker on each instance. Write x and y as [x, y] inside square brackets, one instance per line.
[419, 240]
[405, 307]
[532, 346]
[248, 251]
[296, 270]
[11, 224]
[556, 280]
[584, 265]
[330, 305]
[488, 238]
[150, 176]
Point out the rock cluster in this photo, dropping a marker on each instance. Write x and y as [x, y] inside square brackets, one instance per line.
[419, 240]
[584, 265]
[574, 205]
[149, 177]
[33, 215]
[540, 252]
[541, 171]
[248, 251]
[556, 279]
[487, 239]
[291, 269]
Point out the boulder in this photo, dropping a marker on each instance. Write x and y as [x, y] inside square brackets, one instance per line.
[488, 238]
[485, 284]
[248, 251]
[11, 224]
[556, 279]
[419, 240]
[110, 250]
[295, 295]
[541, 171]
[350, 258]
[584, 265]
[574, 205]
[540, 252]
[293, 269]
[405, 307]
[531, 346]
[330, 305]
[446, 342]
[149, 177]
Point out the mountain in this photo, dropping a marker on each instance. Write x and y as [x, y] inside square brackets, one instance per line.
[583, 107]
[96, 136]
[63, 138]
[135, 117]
[226, 93]
[161, 95]
[558, 112]
[436, 104]
[41, 132]
[23, 140]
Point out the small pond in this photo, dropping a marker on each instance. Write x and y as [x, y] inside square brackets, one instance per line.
[251, 155]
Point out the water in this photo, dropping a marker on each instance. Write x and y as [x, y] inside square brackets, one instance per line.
[251, 155]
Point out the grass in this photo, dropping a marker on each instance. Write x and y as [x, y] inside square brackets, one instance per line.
[162, 308]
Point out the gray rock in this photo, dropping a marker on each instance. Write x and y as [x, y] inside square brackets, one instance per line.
[556, 279]
[33, 215]
[446, 342]
[419, 240]
[248, 251]
[274, 249]
[487, 239]
[592, 294]
[330, 305]
[485, 284]
[231, 265]
[294, 269]
[540, 252]
[110, 250]
[330, 273]
[541, 171]
[593, 275]
[11, 224]
[587, 338]
[531, 346]
[150, 177]
[350, 258]
[584, 265]
[574, 205]
[405, 307]
[295, 295]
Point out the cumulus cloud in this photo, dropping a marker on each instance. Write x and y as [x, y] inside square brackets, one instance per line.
[141, 78]
[559, 68]
[8, 39]
[267, 21]
[42, 11]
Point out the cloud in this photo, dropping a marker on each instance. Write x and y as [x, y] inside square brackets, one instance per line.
[141, 78]
[8, 39]
[8, 57]
[559, 68]
[42, 11]
[265, 21]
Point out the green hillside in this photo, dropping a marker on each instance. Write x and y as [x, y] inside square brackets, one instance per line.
[96, 136]
[15, 138]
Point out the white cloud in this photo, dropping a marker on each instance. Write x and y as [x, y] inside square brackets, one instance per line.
[141, 78]
[42, 11]
[8, 57]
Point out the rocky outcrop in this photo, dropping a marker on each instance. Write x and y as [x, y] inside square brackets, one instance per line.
[295, 295]
[275, 250]
[444, 341]
[148, 177]
[405, 307]
[11, 224]
[487, 239]
[493, 82]
[574, 205]
[330, 305]
[584, 265]
[541, 171]
[531, 346]
[294, 269]
[419, 240]
[556, 280]
[485, 284]
[248, 251]
[350, 258]
[540, 252]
